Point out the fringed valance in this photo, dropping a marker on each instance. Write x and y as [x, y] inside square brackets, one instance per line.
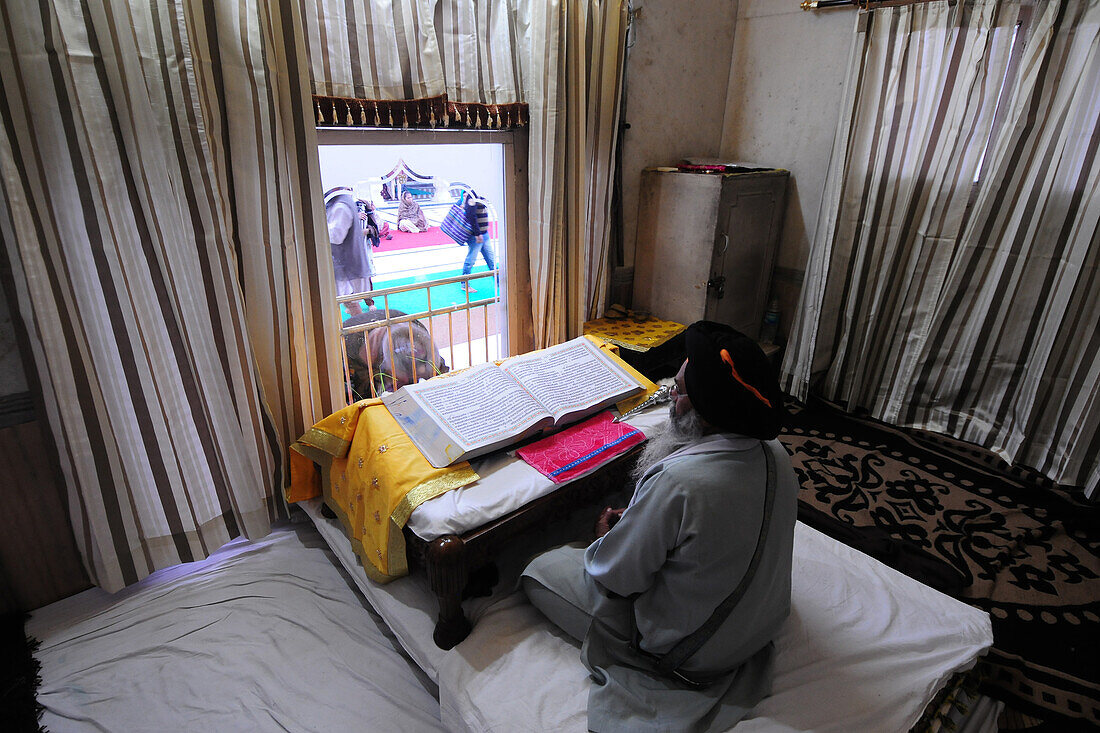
[430, 112]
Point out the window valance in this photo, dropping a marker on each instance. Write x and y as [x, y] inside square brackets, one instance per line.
[432, 112]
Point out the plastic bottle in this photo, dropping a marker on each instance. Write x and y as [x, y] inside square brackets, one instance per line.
[770, 327]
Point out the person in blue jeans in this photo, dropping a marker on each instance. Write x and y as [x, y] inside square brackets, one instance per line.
[477, 214]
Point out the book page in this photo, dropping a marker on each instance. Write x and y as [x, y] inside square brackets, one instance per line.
[479, 406]
[571, 376]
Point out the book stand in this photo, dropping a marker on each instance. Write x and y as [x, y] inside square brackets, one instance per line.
[450, 561]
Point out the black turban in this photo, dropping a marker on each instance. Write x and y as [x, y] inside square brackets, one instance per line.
[732, 385]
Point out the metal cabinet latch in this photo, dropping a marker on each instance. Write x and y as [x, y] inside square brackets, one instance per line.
[717, 286]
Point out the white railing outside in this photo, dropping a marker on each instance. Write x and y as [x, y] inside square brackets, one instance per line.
[408, 364]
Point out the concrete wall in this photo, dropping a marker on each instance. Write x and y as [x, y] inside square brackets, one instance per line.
[677, 74]
[758, 81]
[786, 85]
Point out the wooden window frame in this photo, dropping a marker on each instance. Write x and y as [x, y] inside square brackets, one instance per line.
[517, 267]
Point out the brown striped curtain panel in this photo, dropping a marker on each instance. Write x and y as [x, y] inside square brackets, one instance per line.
[461, 50]
[592, 103]
[953, 278]
[158, 221]
[575, 67]
[474, 63]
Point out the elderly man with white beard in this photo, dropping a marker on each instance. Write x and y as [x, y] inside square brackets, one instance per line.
[679, 597]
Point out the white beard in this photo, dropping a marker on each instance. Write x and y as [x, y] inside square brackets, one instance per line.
[679, 431]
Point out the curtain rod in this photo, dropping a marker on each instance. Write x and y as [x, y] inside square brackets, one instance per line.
[861, 4]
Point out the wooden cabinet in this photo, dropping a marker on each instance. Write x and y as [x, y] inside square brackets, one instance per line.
[706, 244]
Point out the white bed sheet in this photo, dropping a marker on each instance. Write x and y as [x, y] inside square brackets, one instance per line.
[505, 484]
[262, 636]
[865, 648]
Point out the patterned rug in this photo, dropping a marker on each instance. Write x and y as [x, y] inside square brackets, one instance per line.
[957, 518]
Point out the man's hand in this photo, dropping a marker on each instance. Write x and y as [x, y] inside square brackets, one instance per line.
[608, 518]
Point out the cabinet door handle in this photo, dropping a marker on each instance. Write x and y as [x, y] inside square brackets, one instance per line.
[725, 244]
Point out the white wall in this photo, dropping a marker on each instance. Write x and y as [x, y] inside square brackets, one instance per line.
[758, 81]
[677, 74]
[786, 84]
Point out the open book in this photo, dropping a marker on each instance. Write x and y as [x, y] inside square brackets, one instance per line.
[480, 409]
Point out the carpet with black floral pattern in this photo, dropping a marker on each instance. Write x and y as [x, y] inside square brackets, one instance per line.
[961, 520]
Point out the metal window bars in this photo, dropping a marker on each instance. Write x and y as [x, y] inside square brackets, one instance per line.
[392, 321]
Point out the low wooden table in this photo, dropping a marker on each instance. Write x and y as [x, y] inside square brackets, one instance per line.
[450, 559]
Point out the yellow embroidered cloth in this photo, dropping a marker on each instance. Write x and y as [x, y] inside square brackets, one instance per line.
[633, 334]
[373, 477]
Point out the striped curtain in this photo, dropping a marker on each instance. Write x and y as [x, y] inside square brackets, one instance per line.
[373, 50]
[592, 93]
[561, 60]
[576, 67]
[388, 50]
[420, 63]
[1014, 351]
[952, 285]
[158, 224]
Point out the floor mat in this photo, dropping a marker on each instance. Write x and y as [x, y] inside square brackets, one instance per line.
[1005, 540]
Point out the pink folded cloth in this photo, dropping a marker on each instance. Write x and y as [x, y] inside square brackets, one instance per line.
[581, 448]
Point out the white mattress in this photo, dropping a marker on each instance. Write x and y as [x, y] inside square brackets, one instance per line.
[262, 636]
[506, 484]
[865, 648]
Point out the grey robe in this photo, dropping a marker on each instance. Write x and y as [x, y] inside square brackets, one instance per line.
[680, 548]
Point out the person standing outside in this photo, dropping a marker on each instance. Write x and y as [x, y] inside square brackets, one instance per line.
[351, 261]
[477, 215]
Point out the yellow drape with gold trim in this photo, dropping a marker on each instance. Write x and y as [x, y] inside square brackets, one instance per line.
[373, 477]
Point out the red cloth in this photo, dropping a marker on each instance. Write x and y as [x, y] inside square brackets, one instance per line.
[581, 448]
[406, 241]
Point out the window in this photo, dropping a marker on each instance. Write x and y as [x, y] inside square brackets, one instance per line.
[417, 269]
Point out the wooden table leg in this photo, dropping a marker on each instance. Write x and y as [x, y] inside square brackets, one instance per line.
[447, 575]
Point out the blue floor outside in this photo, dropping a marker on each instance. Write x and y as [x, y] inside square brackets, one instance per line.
[416, 301]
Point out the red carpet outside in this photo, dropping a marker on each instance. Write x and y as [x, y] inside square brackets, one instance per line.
[403, 241]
